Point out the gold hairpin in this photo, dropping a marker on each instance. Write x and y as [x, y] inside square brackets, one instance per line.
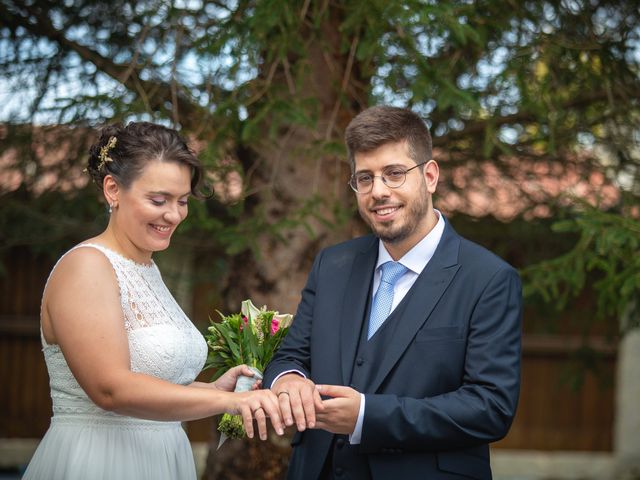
[104, 152]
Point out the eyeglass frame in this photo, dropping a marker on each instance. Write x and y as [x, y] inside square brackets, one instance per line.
[353, 177]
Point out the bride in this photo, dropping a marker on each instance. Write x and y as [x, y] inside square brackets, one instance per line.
[121, 354]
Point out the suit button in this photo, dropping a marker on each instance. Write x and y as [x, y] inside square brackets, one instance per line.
[340, 443]
[352, 386]
[339, 471]
[359, 362]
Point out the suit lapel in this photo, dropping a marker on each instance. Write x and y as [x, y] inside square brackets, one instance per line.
[420, 301]
[355, 304]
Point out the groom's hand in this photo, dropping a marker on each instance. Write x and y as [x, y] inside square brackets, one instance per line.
[340, 412]
[299, 400]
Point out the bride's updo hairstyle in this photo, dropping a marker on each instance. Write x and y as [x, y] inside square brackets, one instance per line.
[123, 152]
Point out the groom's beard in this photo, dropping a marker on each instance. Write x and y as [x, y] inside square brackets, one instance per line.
[400, 229]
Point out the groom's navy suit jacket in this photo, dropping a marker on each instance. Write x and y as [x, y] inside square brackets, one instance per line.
[446, 380]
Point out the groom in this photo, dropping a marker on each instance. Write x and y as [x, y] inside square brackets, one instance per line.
[411, 336]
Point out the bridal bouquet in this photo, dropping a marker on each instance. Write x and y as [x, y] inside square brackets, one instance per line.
[250, 337]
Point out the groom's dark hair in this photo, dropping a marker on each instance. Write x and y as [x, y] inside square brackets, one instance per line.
[377, 126]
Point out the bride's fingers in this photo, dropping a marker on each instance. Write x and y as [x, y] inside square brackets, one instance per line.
[261, 421]
[257, 385]
[247, 419]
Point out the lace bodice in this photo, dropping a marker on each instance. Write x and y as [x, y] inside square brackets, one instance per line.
[162, 340]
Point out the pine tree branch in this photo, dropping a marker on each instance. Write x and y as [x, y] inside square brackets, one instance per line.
[477, 127]
[156, 93]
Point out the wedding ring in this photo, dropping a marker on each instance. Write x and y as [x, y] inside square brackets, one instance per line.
[256, 410]
[283, 391]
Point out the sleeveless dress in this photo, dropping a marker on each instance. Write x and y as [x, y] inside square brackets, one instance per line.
[85, 442]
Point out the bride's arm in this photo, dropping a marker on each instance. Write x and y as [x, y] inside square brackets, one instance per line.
[83, 309]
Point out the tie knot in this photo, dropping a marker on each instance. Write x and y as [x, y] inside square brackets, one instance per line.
[391, 272]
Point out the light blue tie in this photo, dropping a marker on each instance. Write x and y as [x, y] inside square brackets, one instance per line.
[383, 299]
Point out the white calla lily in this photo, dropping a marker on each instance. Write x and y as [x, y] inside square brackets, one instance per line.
[249, 310]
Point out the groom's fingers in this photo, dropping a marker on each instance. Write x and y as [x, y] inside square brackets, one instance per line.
[340, 414]
[272, 410]
[297, 404]
[308, 405]
[297, 408]
[317, 400]
[335, 390]
[298, 399]
[285, 408]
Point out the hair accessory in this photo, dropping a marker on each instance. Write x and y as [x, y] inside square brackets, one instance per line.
[104, 152]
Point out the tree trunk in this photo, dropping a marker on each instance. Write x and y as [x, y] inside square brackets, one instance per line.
[276, 277]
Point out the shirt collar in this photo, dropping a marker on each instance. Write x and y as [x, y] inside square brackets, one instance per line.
[418, 257]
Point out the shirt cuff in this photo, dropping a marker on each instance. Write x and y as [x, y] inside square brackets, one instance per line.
[284, 373]
[354, 438]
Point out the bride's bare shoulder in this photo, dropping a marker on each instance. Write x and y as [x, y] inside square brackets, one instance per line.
[84, 267]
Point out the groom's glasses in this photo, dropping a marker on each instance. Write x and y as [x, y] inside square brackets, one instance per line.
[393, 176]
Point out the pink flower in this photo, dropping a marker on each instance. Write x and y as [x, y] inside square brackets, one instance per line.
[246, 322]
[275, 325]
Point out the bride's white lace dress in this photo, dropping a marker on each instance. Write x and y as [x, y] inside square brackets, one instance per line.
[85, 442]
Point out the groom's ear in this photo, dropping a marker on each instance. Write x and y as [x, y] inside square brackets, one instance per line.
[431, 173]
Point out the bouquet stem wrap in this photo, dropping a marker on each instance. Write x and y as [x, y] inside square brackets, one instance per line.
[231, 426]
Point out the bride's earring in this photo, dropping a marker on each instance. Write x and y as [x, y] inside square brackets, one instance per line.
[111, 208]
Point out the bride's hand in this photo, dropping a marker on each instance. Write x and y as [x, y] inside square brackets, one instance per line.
[227, 382]
[258, 405]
